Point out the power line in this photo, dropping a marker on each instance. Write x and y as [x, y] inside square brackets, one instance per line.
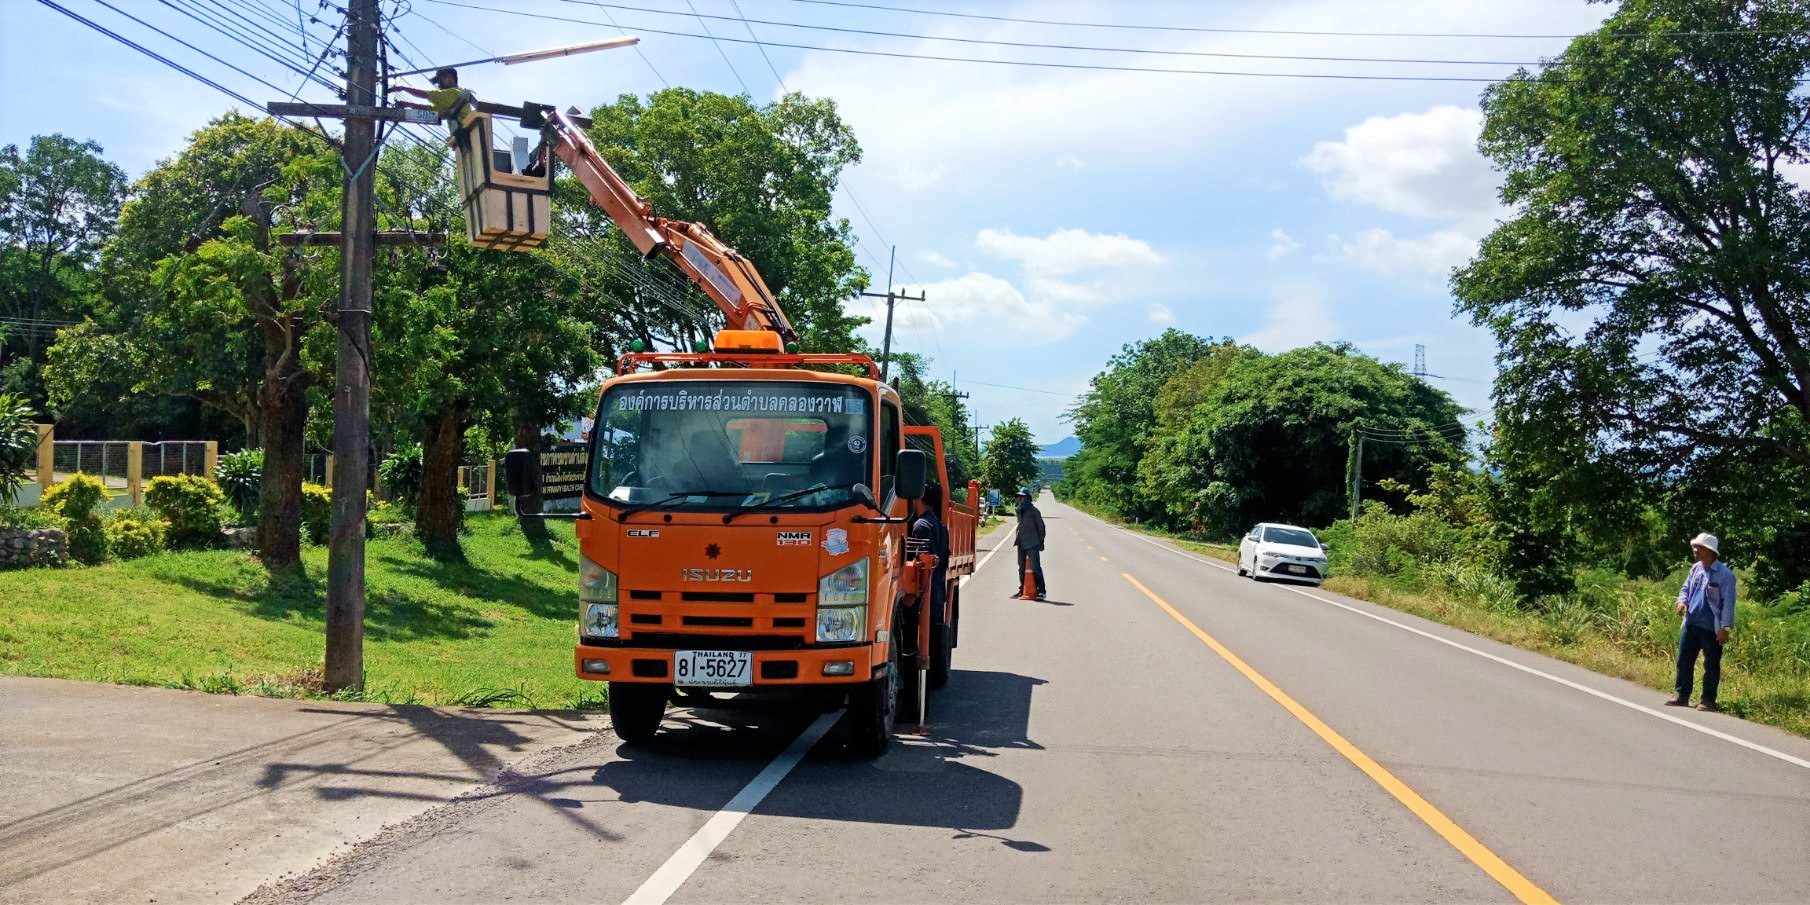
[1035, 64]
[763, 50]
[1247, 31]
[159, 57]
[719, 49]
[638, 51]
[993, 42]
[1003, 386]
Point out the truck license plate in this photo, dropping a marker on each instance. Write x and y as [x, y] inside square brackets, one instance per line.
[712, 667]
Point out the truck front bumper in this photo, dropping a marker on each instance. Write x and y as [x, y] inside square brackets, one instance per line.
[803, 666]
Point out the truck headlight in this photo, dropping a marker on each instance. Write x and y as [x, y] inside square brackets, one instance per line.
[597, 600]
[842, 604]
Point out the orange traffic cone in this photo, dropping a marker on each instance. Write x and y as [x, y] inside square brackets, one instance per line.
[1029, 591]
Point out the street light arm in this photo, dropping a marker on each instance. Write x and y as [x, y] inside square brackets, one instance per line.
[530, 56]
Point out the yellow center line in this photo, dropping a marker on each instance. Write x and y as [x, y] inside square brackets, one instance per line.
[1466, 844]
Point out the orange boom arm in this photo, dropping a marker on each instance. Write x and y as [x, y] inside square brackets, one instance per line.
[720, 271]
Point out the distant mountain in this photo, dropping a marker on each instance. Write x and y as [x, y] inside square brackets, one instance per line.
[1061, 449]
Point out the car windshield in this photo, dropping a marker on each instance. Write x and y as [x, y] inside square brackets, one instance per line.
[731, 444]
[1293, 536]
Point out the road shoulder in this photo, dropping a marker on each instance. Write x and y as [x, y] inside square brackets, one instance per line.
[109, 792]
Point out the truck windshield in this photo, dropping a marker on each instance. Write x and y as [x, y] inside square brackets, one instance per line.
[707, 444]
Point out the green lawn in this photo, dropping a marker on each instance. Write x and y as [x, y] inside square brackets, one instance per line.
[494, 629]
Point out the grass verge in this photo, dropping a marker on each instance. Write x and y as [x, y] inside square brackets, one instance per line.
[1613, 626]
[492, 630]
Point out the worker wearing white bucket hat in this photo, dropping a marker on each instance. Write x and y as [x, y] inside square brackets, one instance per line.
[1707, 603]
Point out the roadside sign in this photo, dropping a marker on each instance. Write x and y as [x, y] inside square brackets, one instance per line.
[562, 476]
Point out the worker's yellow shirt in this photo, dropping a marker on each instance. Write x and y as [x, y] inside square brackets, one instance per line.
[445, 99]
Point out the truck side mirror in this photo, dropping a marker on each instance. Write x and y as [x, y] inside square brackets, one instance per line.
[913, 469]
[521, 473]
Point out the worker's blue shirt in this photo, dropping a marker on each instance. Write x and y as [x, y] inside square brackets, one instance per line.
[1709, 597]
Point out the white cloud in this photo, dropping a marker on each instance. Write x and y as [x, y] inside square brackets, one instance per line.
[1161, 316]
[1063, 276]
[1298, 316]
[1281, 244]
[1380, 251]
[936, 259]
[1071, 163]
[1419, 164]
[1068, 251]
[983, 296]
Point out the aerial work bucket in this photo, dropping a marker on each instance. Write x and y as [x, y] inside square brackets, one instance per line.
[504, 209]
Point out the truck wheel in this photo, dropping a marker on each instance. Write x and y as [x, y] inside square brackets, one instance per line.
[941, 654]
[873, 706]
[636, 709]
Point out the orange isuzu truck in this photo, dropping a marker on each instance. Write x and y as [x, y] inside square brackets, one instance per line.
[746, 509]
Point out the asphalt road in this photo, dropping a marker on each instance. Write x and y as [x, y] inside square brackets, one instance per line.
[1159, 730]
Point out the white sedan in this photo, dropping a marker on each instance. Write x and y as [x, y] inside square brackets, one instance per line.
[1282, 551]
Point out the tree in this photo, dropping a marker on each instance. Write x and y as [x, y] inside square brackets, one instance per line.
[1116, 418]
[1646, 170]
[59, 201]
[201, 301]
[762, 178]
[1249, 437]
[932, 402]
[1010, 461]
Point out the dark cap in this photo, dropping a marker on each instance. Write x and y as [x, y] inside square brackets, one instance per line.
[446, 73]
[1024, 491]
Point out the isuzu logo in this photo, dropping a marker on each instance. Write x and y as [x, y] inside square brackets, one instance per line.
[716, 575]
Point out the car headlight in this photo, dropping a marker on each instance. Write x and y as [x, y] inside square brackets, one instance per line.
[597, 600]
[842, 604]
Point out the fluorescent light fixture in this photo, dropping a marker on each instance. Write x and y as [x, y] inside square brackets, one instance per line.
[552, 52]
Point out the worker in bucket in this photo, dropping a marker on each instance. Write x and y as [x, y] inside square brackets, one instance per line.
[446, 99]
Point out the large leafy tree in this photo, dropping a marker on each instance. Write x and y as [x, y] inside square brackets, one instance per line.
[468, 339]
[1249, 437]
[59, 201]
[1010, 461]
[1651, 292]
[1117, 417]
[762, 178]
[202, 301]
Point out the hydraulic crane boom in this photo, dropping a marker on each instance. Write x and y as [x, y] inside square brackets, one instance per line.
[720, 271]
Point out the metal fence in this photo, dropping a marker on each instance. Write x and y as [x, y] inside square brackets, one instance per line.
[175, 457]
[474, 481]
[315, 469]
[104, 459]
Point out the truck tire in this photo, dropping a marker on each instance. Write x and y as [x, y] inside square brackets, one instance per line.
[636, 709]
[873, 707]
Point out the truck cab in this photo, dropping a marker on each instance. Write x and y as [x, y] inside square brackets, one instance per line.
[744, 528]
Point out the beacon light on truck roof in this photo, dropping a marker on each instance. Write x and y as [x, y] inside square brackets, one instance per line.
[747, 341]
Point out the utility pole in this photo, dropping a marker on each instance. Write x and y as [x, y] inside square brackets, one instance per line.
[1356, 444]
[345, 666]
[891, 297]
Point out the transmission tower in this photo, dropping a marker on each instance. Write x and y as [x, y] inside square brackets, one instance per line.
[1420, 360]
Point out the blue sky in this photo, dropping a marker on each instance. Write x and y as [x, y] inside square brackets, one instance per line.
[1051, 215]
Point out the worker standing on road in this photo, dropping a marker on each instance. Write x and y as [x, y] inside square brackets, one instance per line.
[1029, 541]
[1707, 603]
